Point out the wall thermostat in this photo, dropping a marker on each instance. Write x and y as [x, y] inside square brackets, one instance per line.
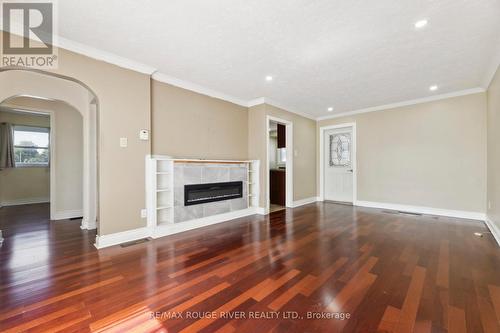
[144, 135]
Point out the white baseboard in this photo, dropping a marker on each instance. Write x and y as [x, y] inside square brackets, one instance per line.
[67, 214]
[261, 211]
[88, 226]
[121, 237]
[203, 222]
[135, 234]
[305, 201]
[19, 202]
[495, 230]
[424, 210]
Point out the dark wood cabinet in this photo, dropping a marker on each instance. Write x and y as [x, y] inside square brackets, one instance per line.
[277, 187]
[281, 136]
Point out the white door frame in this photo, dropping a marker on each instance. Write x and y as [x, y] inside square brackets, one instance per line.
[289, 161]
[322, 159]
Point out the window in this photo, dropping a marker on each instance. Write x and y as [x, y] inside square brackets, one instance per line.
[31, 146]
[281, 156]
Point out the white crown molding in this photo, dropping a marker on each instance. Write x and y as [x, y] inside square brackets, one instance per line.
[105, 56]
[405, 103]
[423, 210]
[268, 101]
[133, 65]
[93, 53]
[492, 69]
[160, 77]
[257, 101]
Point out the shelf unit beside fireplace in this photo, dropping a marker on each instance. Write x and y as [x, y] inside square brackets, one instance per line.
[160, 195]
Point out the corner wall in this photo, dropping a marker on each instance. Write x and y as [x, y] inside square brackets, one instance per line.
[494, 153]
[430, 155]
[304, 146]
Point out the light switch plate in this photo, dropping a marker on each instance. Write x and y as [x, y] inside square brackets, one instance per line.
[144, 135]
[123, 142]
[144, 213]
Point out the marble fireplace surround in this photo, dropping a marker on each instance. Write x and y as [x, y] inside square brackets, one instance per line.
[203, 173]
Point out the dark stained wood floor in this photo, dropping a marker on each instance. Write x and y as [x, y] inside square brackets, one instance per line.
[389, 272]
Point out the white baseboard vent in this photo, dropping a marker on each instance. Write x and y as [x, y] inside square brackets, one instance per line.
[305, 201]
[495, 231]
[423, 210]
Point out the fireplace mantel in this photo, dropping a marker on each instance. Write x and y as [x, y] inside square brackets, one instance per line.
[166, 212]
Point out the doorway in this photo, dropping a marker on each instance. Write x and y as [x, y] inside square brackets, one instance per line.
[279, 169]
[338, 163]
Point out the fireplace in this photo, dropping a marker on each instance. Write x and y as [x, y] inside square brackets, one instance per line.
[203, 193]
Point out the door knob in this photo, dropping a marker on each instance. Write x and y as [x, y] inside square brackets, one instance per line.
[350, 170]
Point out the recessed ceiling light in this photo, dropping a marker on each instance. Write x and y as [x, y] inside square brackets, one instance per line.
[269, 78]
[330, 109]
[420, 24]
[433, 88]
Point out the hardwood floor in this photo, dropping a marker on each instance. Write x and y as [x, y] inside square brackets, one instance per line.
[387, 272]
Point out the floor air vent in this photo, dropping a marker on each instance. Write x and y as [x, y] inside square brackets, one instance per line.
[139, 241]
[401, 212]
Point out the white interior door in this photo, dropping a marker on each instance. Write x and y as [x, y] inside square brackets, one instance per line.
[338, 168]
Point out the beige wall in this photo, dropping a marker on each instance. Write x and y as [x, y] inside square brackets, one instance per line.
[431, 154]
[124, 109]
[494, 150]
[20, 185]
[304, 145]
[190, 125]
[68, 150]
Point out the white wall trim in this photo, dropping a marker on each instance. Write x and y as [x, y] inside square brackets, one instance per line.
[305, 201]
[121, 237]
[495, 231]
[289, 161]
[405, 103]
[322, 130]
[423, 210]
[161, 231]
[160, 77]
[265, 100]
[68, 214]
[102, 55]
[28, 201]
[257, 101]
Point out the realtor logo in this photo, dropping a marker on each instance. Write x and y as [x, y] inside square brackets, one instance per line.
[28, 34]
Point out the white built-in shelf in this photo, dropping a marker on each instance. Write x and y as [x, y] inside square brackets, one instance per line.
[160, 173]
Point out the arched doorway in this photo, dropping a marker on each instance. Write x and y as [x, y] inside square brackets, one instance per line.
[55, 87]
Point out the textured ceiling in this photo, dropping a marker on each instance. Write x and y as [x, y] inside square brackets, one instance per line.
[349, 54]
